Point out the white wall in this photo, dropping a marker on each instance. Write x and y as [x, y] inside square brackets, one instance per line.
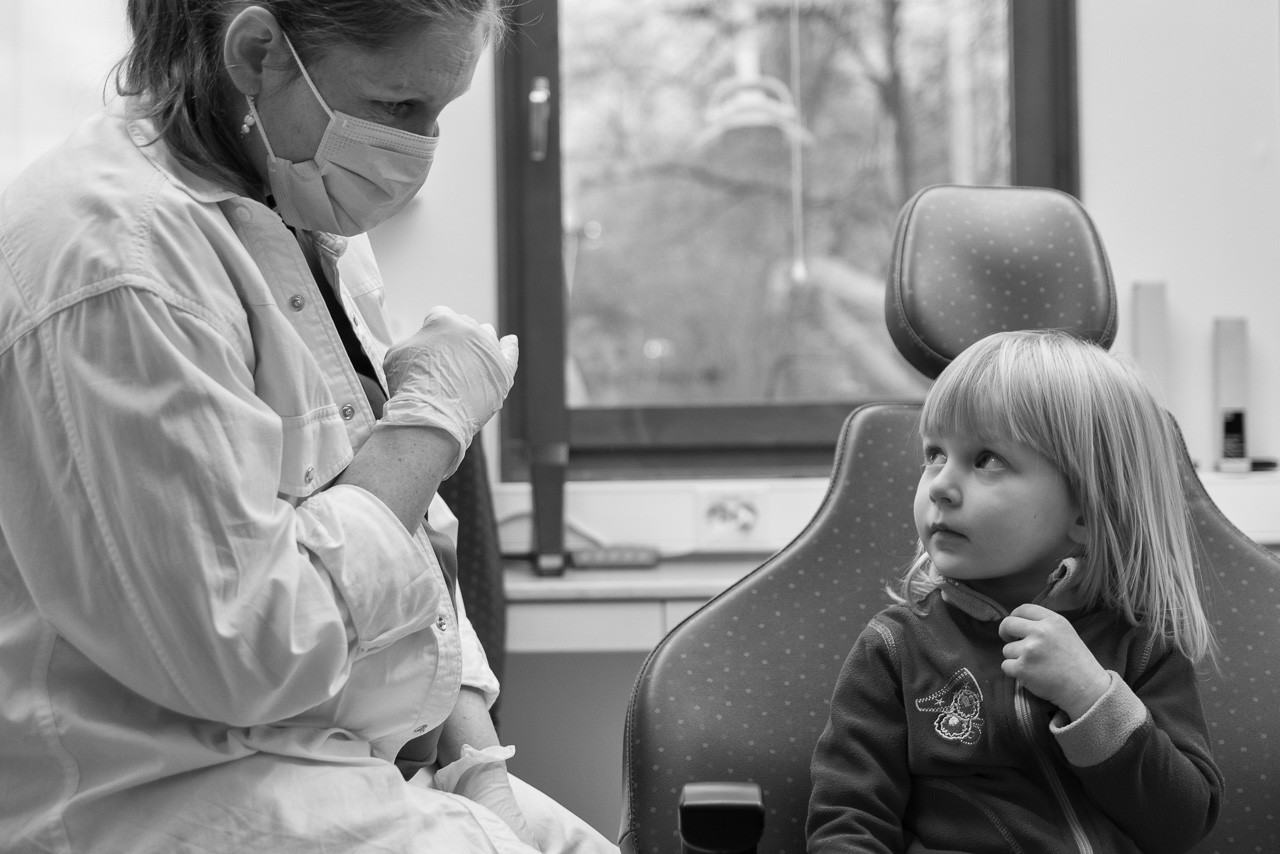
[54, 59]
[442, 249]
[1180, 130]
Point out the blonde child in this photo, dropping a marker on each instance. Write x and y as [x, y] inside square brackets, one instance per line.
[1034, 687]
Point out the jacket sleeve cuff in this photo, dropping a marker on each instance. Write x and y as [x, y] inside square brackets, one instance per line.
[1101, 731]
[384, 576]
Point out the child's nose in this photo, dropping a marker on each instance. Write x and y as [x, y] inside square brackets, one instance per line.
[944, 487]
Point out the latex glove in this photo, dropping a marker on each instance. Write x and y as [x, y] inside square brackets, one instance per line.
[453, 374]
[481, 776]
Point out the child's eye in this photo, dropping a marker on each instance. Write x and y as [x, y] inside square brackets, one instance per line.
[934, 457]
[989, 461]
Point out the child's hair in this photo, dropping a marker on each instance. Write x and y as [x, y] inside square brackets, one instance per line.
[1089, 413]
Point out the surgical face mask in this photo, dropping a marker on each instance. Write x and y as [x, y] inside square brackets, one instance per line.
[362, 174]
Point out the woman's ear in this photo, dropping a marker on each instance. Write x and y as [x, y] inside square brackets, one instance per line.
[252, 48]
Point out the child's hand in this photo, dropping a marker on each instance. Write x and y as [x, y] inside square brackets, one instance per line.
[1044, 653]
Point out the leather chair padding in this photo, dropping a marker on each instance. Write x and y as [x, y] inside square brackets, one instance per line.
[740, 690]
[970, 261]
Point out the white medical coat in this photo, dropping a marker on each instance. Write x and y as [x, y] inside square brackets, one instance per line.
[203, 646]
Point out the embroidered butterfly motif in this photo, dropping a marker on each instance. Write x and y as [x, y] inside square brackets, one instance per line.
[959, 704]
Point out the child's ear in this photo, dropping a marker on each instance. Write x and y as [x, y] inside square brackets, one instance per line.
[1078, 533]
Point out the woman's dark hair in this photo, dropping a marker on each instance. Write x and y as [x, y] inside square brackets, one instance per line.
[174, 65]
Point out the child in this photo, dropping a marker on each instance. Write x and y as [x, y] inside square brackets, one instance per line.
[1033, 689]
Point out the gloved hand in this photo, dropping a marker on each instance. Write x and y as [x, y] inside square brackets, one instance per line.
[453, 373]
[481, 776]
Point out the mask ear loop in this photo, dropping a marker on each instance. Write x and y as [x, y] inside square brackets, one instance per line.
[253, 118]
[306, 76]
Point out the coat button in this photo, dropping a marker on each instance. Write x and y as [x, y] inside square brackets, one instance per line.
[348, 412]
[296, 302]
[441, 623]
[310, 474]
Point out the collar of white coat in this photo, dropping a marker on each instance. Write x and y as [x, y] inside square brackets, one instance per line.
[146, 137]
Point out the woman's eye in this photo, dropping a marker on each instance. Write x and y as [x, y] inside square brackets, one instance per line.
[395, 109]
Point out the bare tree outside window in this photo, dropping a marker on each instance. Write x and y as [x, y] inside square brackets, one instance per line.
[732, 170]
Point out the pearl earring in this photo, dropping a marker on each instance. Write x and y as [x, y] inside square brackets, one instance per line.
[249, 120]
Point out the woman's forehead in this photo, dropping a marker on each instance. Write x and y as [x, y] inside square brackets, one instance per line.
[434, 65]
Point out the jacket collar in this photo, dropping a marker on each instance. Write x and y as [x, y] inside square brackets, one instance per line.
[146, 136]
[1059, 594]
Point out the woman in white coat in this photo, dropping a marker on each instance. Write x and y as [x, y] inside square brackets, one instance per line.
[225, 624]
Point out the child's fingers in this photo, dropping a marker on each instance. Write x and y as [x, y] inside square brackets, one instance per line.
[1015, 628]
[1029, 611]
[1011, 651]
[1025, 619]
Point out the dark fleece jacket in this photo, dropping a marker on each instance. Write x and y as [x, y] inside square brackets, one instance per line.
[931, 748]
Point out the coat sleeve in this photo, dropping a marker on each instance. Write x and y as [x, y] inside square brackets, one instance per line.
[153, 537]
[1142, 751]
[476, 672]
[861, 779]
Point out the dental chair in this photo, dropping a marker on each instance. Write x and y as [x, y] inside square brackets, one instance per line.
[739, 692]
[469, 496]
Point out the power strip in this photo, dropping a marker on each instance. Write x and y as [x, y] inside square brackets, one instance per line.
[614, 557]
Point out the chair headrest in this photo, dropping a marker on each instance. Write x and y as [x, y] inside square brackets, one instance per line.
[971, 261]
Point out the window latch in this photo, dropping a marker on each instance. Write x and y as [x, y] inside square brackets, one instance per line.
[539, 118]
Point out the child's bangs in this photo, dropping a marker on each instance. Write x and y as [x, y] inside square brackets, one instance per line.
[973, 402]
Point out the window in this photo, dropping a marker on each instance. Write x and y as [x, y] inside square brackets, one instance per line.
[698, 201]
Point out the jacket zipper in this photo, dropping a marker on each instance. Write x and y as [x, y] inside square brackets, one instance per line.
[1023, 708]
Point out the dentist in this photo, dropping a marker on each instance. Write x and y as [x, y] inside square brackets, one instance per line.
[225, 623]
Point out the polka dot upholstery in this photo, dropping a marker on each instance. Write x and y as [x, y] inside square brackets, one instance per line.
[1242, 702]
[970, 261]
[740, 690]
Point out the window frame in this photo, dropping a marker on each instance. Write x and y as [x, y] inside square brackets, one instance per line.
[646, 442]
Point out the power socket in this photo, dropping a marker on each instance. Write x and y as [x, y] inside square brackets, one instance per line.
[613, 557]
[730, 520]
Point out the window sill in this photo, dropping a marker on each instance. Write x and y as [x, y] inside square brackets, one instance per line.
[611, 610]
[1251, 501]
[683, 579]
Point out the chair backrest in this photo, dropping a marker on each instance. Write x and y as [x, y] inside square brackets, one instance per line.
[970, 261]
[1242, 701]
[480, 563]
[740, 690]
